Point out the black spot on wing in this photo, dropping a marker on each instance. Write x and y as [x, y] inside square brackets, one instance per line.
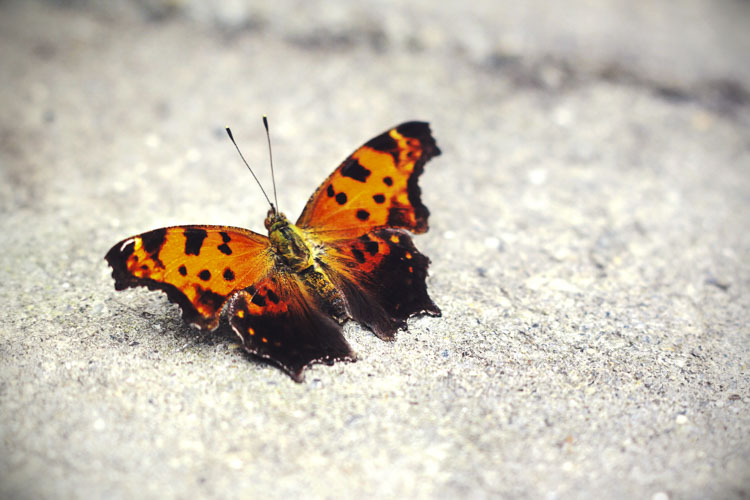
[371, 247]
[272, 296]
[329, 191]
[205, 275]
[388, 181]
[384, 142]
[228, 274]
[153, 240]
[259, 300]
[379, 198]
[224, 248]
[341, 198]
[194, 240]
[357, 253]
[183, 270]
[354, 170]
[363, 215]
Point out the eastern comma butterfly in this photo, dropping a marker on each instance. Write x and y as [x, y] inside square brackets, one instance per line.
[286, 295]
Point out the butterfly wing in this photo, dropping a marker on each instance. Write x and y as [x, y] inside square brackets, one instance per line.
[199, 267]
[376, 186]
[278, 320]
[202, 268]
[382, 277]
[357, 216]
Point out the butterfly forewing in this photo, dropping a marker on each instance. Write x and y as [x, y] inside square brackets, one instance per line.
[376, 186]
[199, 267]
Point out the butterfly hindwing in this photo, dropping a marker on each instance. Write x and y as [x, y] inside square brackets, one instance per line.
[198, 267]
[276, 320]
[376, 186]
[382, 277]
[358, 215]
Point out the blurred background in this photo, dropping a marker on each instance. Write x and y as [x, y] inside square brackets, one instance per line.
[589, 243]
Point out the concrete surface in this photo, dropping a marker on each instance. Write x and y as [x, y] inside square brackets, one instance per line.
[589, 238]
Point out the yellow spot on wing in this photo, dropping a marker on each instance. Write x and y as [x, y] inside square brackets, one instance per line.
[240, 313]
[369, 156]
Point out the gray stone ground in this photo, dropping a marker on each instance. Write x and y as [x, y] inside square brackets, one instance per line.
[589, 238]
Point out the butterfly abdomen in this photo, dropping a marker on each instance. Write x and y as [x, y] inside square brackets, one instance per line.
[318, 281]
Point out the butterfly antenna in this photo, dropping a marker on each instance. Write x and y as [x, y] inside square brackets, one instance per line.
[270, 157]
[229, 132]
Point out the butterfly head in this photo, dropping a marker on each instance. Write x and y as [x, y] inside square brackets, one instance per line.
[275, 220]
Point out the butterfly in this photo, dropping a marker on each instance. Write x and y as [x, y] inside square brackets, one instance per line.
[286, 295]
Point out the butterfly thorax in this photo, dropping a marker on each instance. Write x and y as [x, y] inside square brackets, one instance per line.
[288, 242]
[294, 251]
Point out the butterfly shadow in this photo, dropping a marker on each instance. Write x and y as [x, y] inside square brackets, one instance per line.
[222, 336]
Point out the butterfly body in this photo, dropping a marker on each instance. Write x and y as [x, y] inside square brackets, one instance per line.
[295, 253]
[288, 242]
[348, 256]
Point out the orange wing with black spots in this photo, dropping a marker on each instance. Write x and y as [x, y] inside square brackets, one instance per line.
[357, 216]
[199, 267]
[278, 320]
[376, 186]
[202, 268]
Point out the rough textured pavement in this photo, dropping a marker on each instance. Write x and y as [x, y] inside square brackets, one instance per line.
[589, 238]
